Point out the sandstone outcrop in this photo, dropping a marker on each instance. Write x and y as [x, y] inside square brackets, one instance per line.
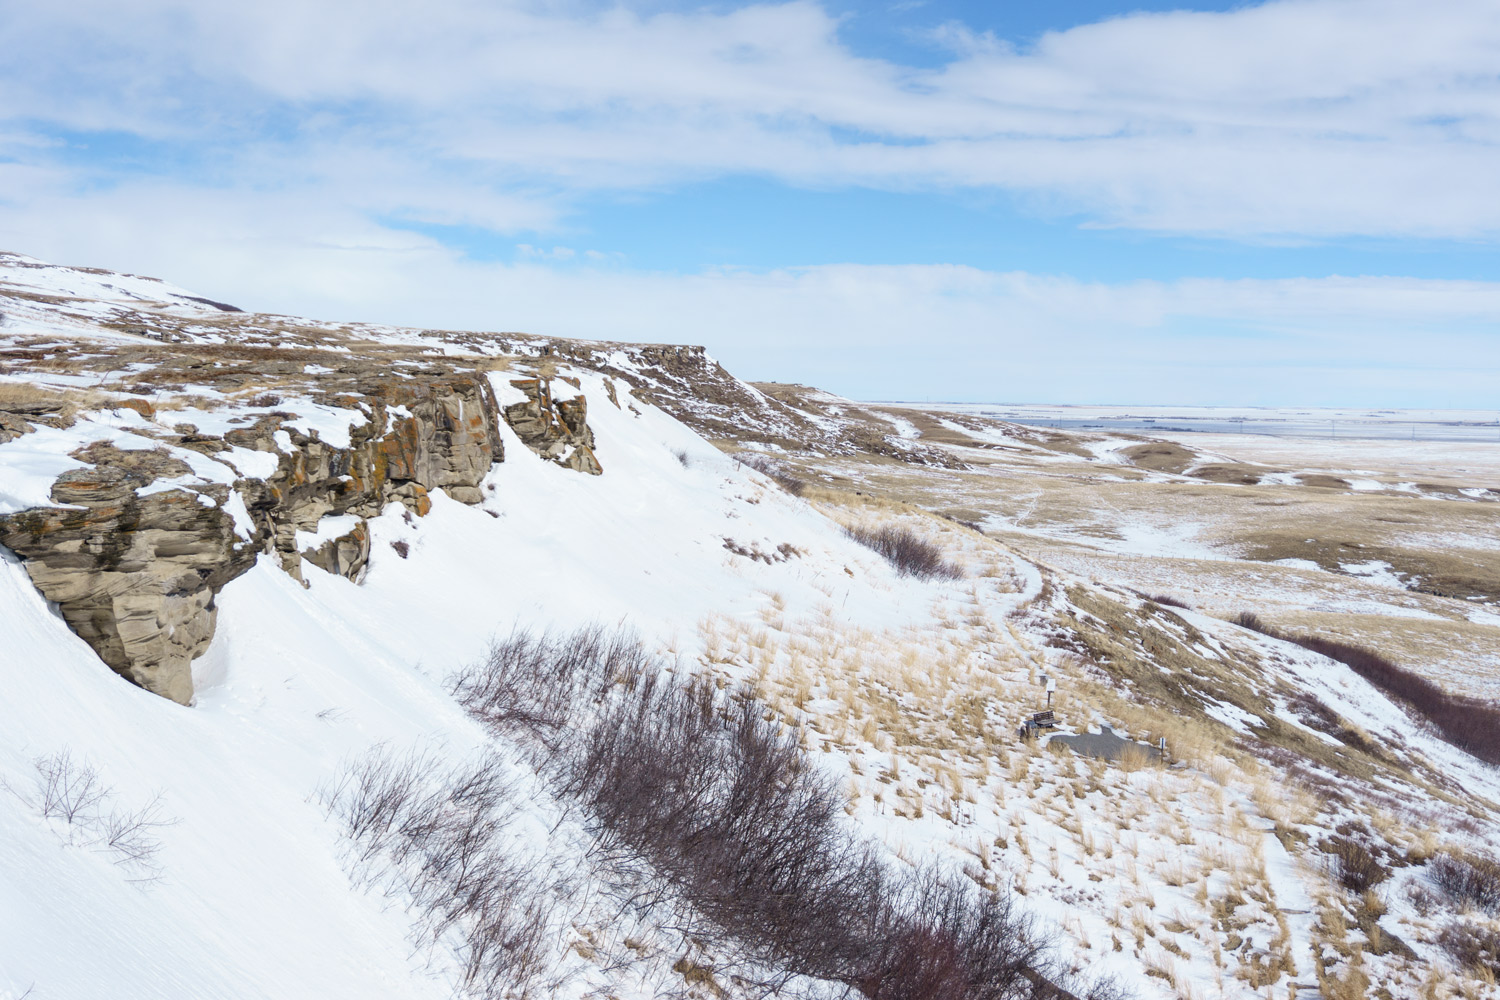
[12, 426]
[135, 575]
[556, 429]
[417, 437]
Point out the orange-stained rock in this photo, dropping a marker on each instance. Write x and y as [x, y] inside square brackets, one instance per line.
[136, 576]
[140, 406]
[556, 429]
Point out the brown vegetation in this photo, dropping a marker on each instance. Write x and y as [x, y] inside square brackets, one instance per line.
[1468, 723]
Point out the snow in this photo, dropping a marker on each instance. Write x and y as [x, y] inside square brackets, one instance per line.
[252, 464]
[329, 528]
[255, 899]
[331, 424]
[32, 462]
[1234, 717]
[1376, 571]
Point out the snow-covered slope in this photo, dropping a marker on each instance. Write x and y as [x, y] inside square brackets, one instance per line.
[252, 900]
[205, 861]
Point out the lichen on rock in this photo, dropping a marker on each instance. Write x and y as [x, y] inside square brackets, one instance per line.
[135, 576]
[555, 429]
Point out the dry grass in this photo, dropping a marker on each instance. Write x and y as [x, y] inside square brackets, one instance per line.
[62, 405]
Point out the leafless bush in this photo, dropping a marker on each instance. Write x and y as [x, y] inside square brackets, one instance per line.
[1250, 620]
[536, 684]
[1353, 865]
[705, 807]
[1468, 878]
[69, 790]
[1472, 946]
[1170, 601]
[403, 549]
[682, 456]
[1470, 724]
[954, 941]
[708, 801]
[700, 796]
[908, 552]
[72, 792]
[436, 835]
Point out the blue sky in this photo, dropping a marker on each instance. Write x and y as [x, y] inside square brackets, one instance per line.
[1285, 203]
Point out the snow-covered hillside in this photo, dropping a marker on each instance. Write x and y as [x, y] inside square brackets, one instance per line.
[207, 855]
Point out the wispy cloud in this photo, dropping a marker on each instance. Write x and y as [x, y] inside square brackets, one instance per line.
[1308, 118]
[297, 155]
[939, 331]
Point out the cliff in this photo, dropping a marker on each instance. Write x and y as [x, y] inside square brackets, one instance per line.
[133, 553]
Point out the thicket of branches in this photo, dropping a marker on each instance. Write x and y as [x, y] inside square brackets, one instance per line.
[72, 792]
[1469, 879]
[706, 809]
[1468, 723]
[436, 835]
[907, 551]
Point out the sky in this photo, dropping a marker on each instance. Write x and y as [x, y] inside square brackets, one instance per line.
[1294, 203]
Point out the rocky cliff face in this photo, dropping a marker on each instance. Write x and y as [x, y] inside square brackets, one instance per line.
[556, 429]
[420, 435]
[134, 576]
[134, 563]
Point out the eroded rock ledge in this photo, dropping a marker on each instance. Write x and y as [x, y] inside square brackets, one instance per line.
[134, 561]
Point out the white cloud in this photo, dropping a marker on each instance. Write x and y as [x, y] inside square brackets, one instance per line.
[1299, 117]
[265, 150]
[944, 331]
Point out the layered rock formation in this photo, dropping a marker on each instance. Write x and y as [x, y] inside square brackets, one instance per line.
[419, 435]
[556, 429]
[135, 576]
[142, 541]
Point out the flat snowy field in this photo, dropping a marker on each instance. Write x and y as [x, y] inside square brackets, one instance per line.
[1287, 421]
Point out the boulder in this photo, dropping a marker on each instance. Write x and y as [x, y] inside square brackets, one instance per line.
[134, 577]
[346, 555]
[12, 426]
[555, 429]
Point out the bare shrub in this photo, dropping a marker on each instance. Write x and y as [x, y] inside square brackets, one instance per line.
[130, 835]
[1250, 620]
[705, 805]
[683, 458]
[1470, 724]
[1472, 946]
[536, 684]
[952, 940]
[1168, 601]
[1353, 865]
[69, 790]
[403, 549]
[437, 835]
[1468, 878]
[72, 792]
[908, 552]
[723, 809]
[716, 805]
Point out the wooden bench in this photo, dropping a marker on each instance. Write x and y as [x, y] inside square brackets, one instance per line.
[1038, 722]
